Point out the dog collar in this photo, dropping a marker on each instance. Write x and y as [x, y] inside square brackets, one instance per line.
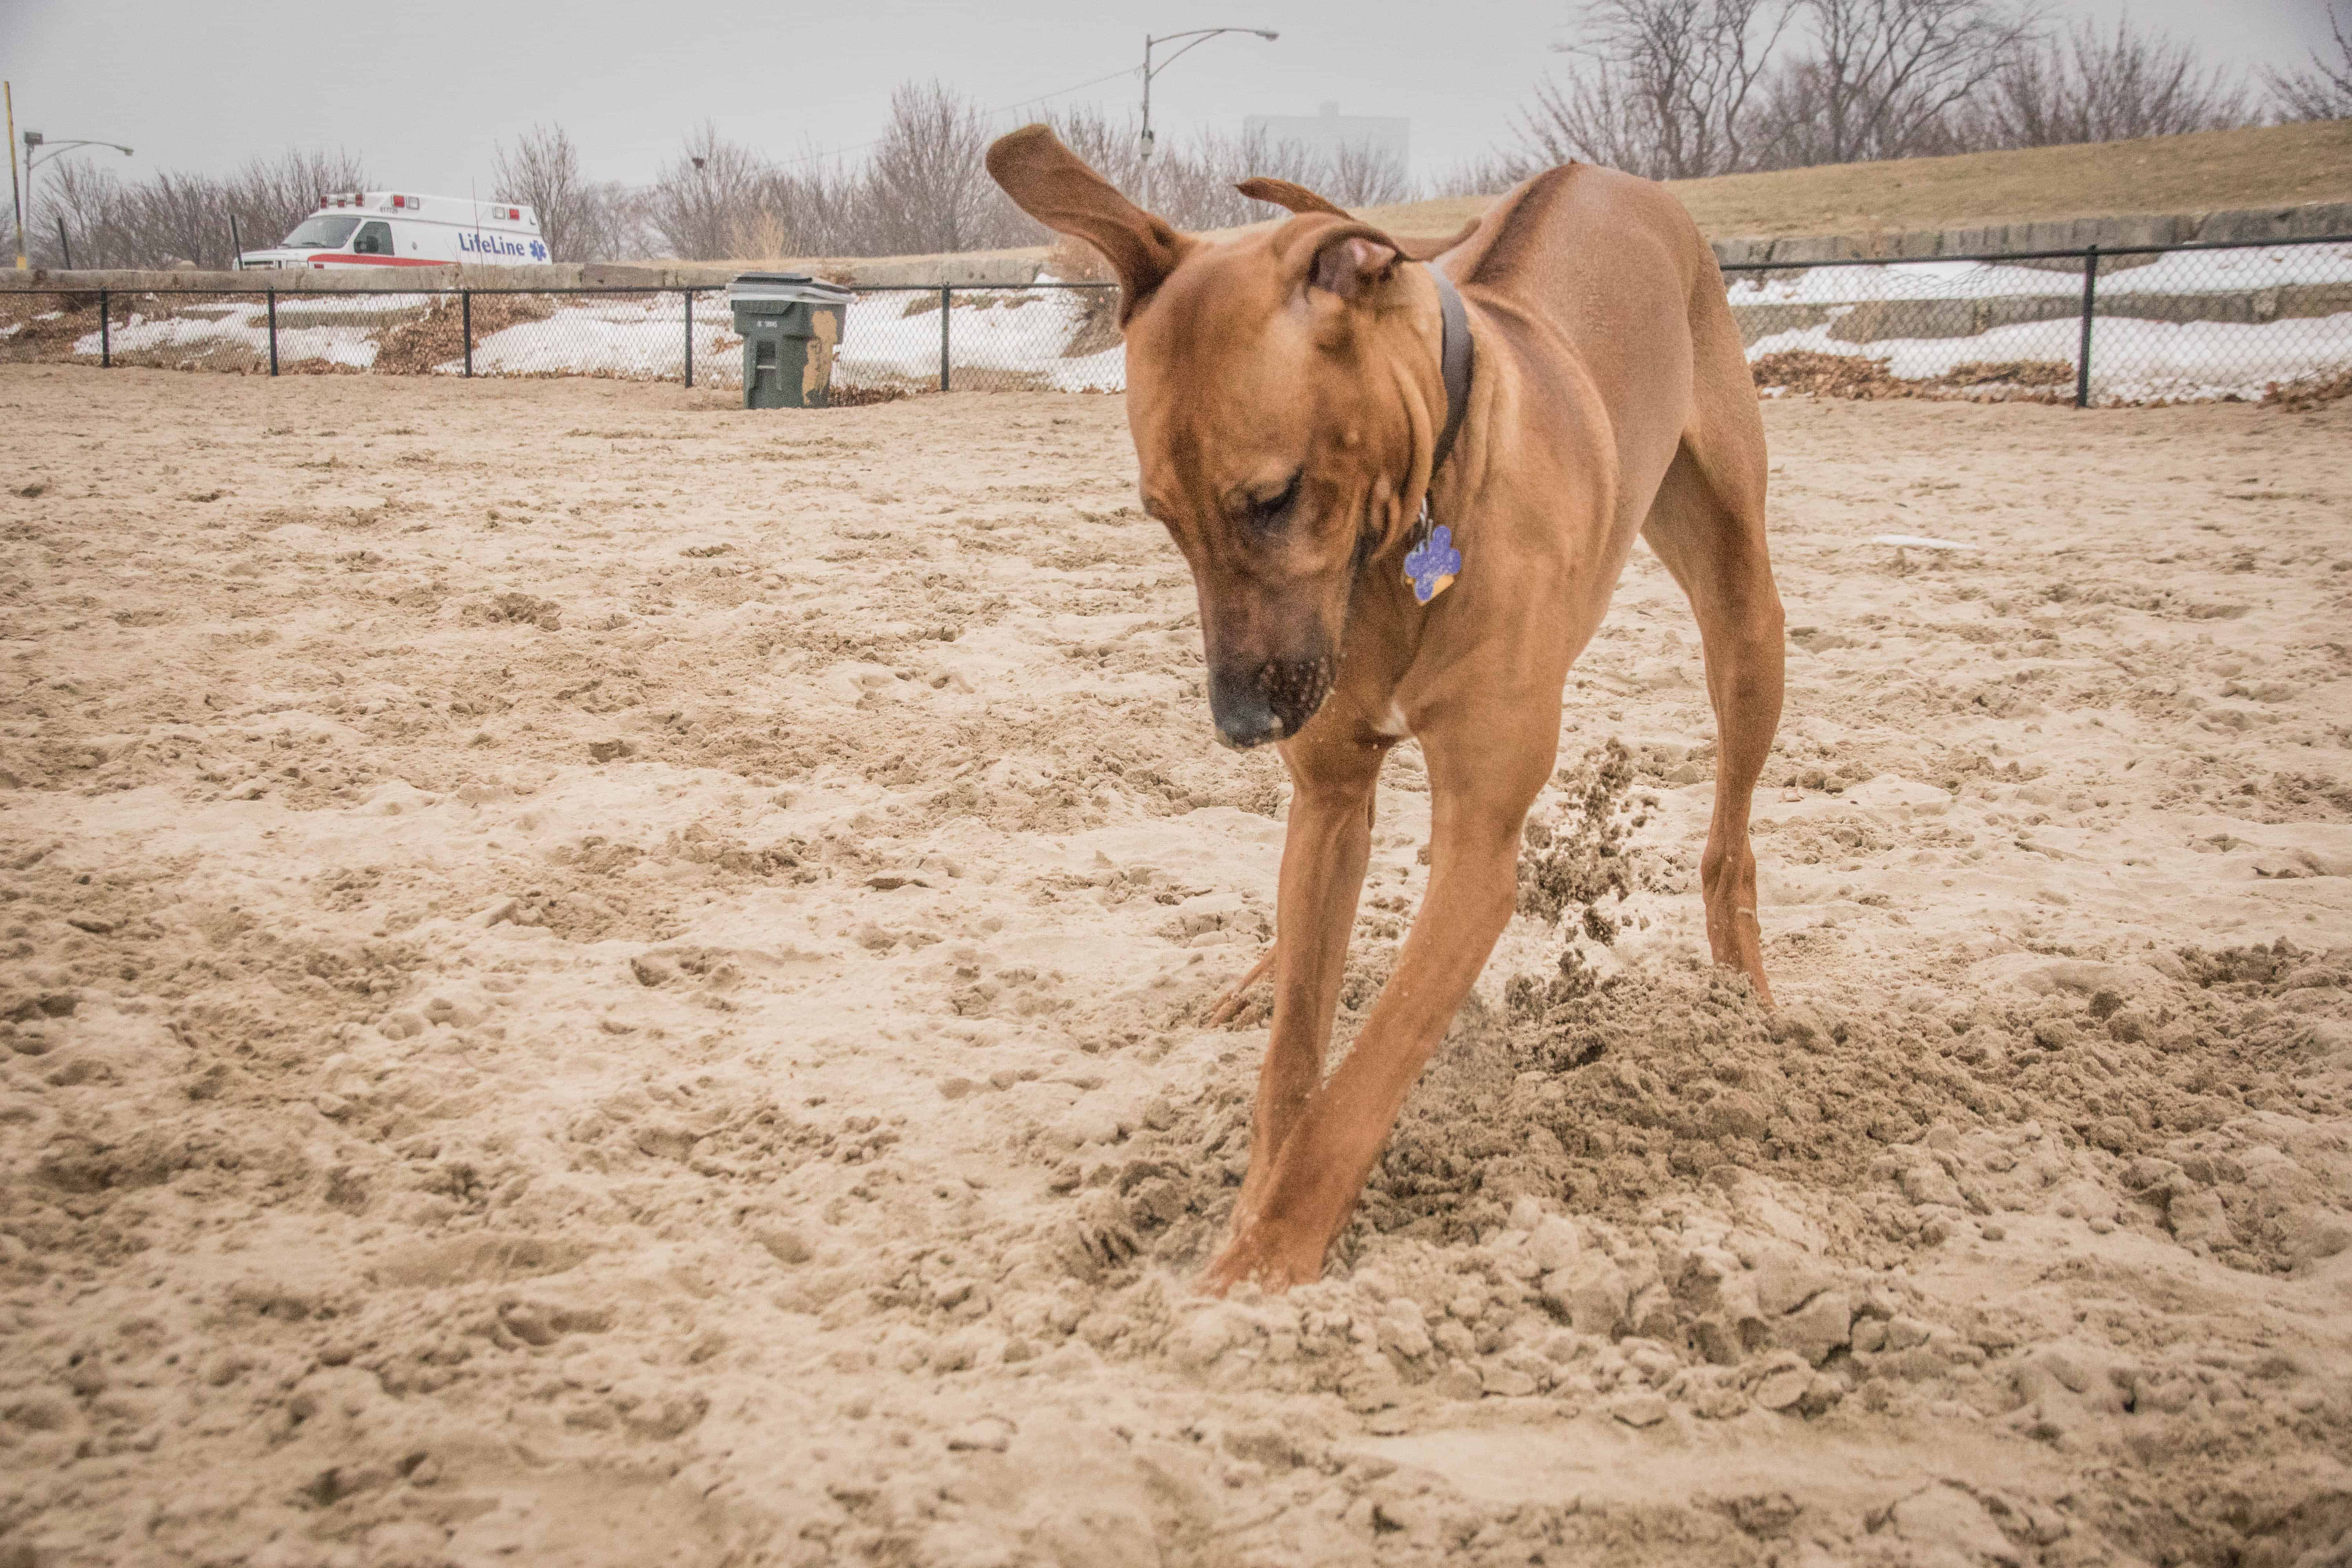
[1433, 563]
[1453, 361]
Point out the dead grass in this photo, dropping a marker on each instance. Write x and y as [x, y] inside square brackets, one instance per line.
[2271, 165]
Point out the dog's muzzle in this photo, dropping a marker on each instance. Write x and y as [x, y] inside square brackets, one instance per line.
[1252, 706]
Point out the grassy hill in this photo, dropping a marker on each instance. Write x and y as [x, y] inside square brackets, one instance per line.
[2272, 165]
[2212, 170]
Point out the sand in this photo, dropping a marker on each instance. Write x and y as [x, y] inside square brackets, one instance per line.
[594, 978]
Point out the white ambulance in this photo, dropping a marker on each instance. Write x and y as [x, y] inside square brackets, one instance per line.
[378, 228]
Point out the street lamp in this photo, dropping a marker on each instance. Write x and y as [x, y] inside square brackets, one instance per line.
[33, 160]
[1199, 36]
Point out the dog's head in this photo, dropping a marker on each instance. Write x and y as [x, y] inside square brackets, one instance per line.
[1284, 392]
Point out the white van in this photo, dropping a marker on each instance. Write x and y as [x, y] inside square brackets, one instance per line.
[377, 228]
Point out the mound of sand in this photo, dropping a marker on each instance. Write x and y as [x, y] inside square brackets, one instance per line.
[596, 978]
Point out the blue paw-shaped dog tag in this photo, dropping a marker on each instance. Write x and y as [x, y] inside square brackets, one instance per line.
[1432, 565]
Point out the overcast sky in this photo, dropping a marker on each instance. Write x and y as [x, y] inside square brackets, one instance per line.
[423, 90]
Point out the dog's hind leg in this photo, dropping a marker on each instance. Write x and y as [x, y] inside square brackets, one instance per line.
[1707, 526]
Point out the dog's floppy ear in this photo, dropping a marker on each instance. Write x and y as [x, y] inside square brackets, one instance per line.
[1054, 185]
[1300, 200]
[1352, 261]
[1283, 193]
[1345, 258]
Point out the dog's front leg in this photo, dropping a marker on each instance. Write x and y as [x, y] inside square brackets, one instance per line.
[1482, 780]
[1324, 854]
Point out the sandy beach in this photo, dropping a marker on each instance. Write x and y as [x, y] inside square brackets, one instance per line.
[594, 978]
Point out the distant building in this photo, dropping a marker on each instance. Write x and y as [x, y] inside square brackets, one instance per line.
[1327, 134]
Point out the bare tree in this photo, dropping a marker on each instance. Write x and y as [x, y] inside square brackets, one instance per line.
[930, 175]
[822, 206]
[707, 203]
[579, 219]
[1113, 148]
[171, 218]
[178, 219]
[1661, 88]
[1675, 89]
[925, 188]
[621, 228]
[1193, 181]
[1592, 120]
[1361, 174]
[2095, 86]
[80, 217]
[2322, 90]
[270, 196]
[1485, 175]
[1883, 77]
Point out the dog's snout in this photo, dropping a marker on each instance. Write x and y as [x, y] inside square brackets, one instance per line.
[1244, 717]
[1254, 704]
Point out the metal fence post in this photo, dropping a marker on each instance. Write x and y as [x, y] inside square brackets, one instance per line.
[2083, 350]
[273, 332]
[945, 302]
[689, 339]
[105, 333]
[466, 311]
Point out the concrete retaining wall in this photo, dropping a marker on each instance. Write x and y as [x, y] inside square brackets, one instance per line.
[1011, 268]
[987, 269]
[2250, 225]
[1875, 320]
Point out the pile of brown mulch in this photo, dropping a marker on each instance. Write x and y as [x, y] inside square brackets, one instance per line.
[438, 336]
[2010, 373]
[2311, 392]
[841, 396]
[47, 325]
[1808, 374]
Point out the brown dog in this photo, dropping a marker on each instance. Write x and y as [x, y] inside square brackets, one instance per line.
[1287, 401]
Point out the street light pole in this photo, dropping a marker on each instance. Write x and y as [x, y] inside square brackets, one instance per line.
[1199, 36]
[34, 139]
[15, 190]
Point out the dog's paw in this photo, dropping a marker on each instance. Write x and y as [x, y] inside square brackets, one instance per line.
[1100, 1236]
[1271, 1258]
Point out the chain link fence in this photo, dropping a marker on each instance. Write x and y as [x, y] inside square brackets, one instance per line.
[2137, 325]
[2145, 324]
[896, 340]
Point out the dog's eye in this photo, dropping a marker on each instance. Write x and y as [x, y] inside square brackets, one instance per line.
[1267, 511]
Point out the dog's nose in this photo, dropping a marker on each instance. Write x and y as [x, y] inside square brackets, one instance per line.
[1268, 701]
[1245, 714]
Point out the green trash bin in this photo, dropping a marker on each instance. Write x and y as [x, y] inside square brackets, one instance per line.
[791, 326]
